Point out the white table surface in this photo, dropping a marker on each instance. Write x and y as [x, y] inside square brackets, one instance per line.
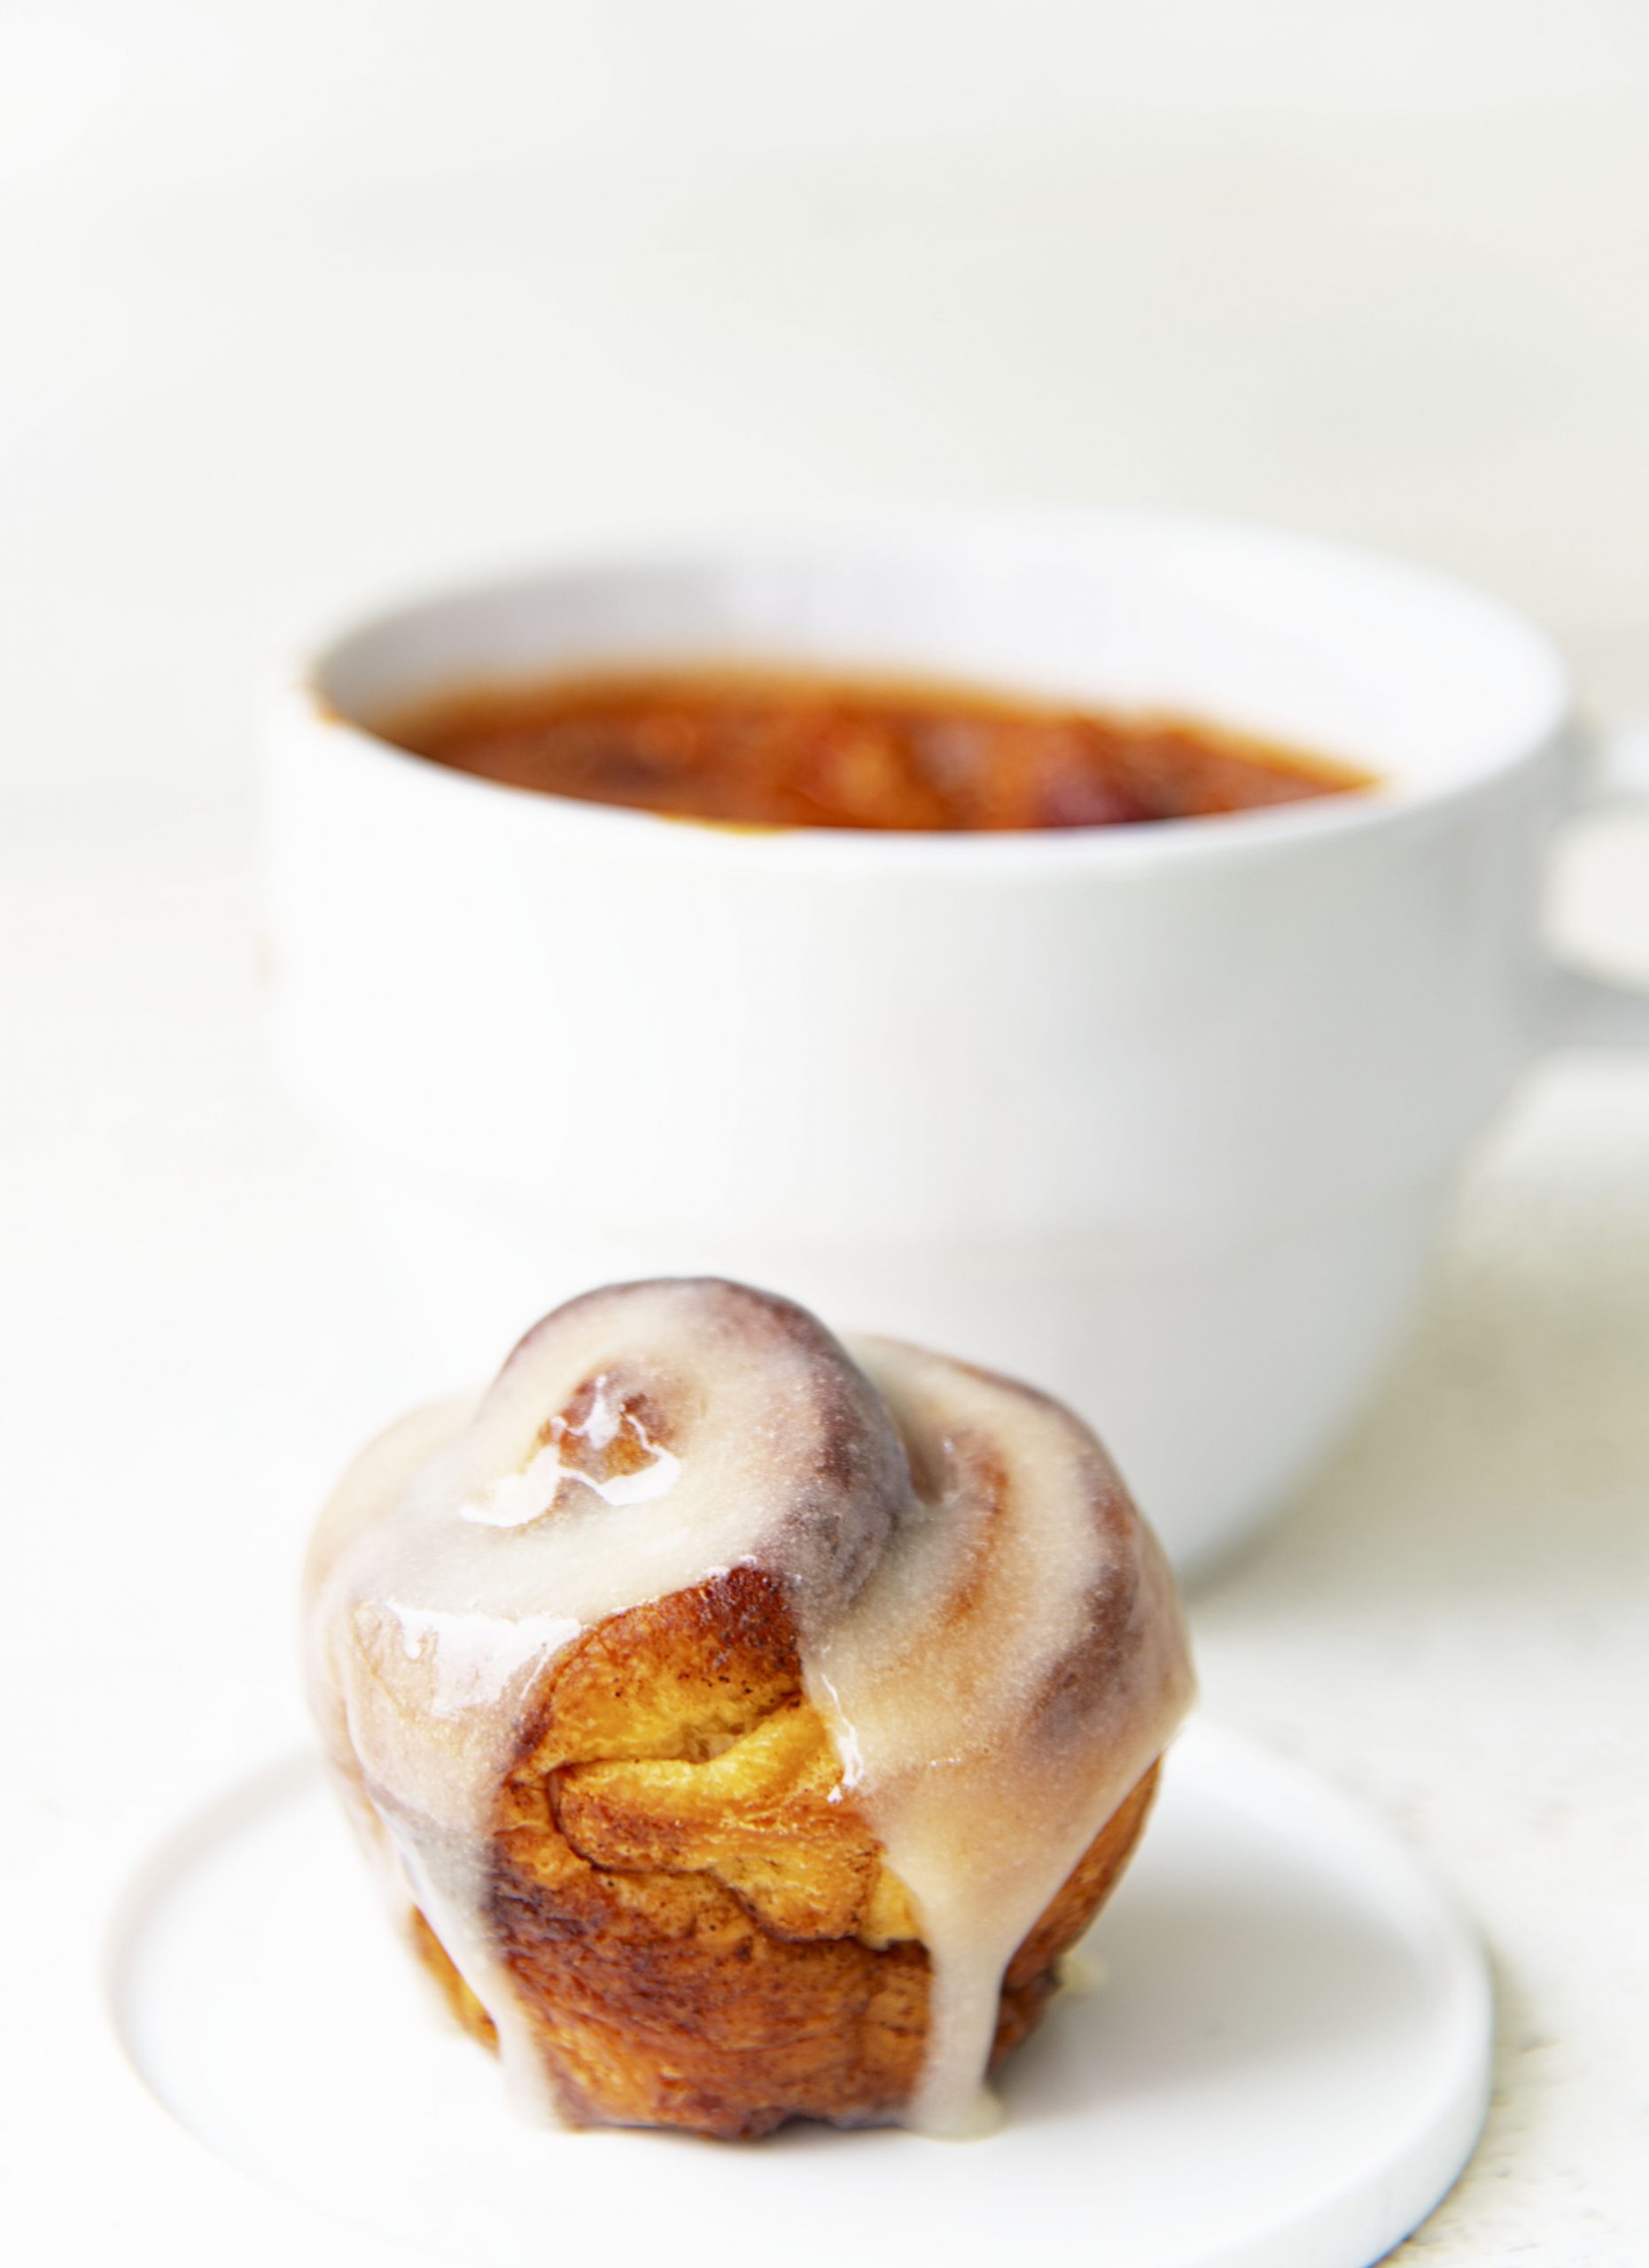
[301, 303]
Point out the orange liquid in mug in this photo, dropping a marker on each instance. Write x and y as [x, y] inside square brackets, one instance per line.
[787, 749]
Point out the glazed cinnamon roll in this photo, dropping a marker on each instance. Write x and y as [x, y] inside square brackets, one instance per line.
[744, 1724]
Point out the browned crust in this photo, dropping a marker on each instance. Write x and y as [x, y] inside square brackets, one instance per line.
[695, 1911]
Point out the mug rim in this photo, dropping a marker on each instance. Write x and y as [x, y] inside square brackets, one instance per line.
[302, 697]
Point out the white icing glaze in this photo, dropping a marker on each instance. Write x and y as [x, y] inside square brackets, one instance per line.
[988, 1630]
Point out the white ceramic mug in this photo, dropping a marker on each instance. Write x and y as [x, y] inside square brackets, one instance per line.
[1162, 1118]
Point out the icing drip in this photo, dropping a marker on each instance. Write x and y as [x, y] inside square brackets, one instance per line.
[988, 1631]
[1013, 1666]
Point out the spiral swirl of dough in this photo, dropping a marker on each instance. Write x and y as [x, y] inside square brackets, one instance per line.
[981, 1622]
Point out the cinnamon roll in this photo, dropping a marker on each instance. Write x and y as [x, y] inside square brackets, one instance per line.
[743, 1724]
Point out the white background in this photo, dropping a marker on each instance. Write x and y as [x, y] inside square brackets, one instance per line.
[302, 302]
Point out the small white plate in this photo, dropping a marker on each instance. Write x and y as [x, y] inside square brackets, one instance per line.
[1285, 2069]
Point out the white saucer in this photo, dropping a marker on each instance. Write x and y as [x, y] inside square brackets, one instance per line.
[1286, 2067]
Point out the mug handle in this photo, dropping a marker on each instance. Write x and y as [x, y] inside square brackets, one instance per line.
[1590, 1011]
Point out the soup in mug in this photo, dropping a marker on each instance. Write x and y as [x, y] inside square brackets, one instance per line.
[791, 749]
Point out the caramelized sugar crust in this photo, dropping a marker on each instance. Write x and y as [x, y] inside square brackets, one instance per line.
[694, 1904]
